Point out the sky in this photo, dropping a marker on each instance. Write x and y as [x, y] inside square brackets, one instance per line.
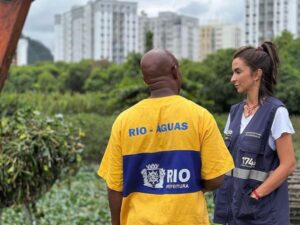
[39, 24]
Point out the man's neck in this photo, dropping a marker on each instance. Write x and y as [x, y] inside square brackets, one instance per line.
[163, 92]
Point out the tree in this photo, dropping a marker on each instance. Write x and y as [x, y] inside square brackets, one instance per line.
[77, 74]
[23, 78]
[149, 41]
[196, 78]
[47, 83]
[288, 88]
[130, 89]
[97, 81]
[221, 91]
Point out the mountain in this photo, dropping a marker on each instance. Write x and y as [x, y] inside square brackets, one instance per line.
[37, 52]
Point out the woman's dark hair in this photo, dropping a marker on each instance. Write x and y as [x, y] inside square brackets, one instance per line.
[264, 57]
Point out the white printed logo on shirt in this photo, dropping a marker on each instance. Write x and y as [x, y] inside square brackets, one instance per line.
[153, 176]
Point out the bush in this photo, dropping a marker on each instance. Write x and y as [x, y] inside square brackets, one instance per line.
[54, 103]
[96, 133]
[34, 153]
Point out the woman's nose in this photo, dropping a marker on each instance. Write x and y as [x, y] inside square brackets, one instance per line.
[232, 79]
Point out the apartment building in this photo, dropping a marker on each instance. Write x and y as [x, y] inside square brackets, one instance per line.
[216, 35]
[176, 33]
[21, 57]
[266, 19]
[101, 29]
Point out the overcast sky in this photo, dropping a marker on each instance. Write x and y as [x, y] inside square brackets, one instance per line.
[40, 21]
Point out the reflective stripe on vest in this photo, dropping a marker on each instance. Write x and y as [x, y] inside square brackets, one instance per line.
[248, 174]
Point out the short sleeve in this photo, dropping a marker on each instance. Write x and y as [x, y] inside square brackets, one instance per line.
[112, 162]
[215, 157]
[281, 123]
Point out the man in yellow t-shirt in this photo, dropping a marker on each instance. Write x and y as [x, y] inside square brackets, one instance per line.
[163, 153]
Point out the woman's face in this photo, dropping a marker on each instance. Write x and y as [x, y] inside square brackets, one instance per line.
[243, 79]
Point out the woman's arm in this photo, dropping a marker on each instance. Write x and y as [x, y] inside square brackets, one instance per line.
[286, 155]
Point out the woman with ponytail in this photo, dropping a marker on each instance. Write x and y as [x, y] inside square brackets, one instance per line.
[258, 134]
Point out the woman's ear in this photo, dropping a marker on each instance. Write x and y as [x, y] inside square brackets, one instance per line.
[258, 74]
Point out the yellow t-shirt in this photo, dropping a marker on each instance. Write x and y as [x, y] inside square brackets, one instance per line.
[158, 152]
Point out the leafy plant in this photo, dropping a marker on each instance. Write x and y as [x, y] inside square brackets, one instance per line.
[97, 131]
[82, 201]
[34, 153]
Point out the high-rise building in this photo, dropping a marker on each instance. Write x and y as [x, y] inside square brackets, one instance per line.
[298, 18]
[22, 52]
[216, 35]
[176, 33]
[102, 29]
[266, 19]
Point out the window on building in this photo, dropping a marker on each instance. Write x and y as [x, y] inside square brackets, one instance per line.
[270, 3]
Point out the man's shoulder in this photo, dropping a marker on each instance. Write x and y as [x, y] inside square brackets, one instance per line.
[193, 106]
[180, 103]
[129, 111]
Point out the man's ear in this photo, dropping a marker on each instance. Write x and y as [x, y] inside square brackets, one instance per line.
[175, 72]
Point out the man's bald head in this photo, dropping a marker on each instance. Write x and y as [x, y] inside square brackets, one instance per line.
[157, 63]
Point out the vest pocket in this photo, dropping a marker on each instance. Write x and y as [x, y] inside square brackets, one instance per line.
[250, 208]
[250, 153]
[251, 144]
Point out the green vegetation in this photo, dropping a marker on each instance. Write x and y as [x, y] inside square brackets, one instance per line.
[148, 41]
[81, 200]
[116, 86]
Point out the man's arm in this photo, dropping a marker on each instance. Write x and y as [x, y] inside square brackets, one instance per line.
[210, 185]
[115, 203]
